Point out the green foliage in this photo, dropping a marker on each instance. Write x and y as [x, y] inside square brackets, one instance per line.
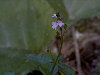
[26, 24]
[65, 70]
[20, 62]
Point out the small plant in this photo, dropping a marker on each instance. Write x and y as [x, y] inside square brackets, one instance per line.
[58, 26]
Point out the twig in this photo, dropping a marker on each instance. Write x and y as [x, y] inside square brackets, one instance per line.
[77, 52]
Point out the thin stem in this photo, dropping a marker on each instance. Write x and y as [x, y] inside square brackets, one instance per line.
[59, 49]
[77, 52]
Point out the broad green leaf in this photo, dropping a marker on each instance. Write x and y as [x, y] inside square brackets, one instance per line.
[34, 57]
[21, 62]
[17, 62]
[9, 73]
[25, 23]
[65, 69]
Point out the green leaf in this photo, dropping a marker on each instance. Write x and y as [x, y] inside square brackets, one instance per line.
[25, 23]
[40, 58]
[17, 62]
[65, 69]
[9, 73]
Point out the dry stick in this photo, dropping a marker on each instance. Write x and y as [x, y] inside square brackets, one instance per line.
[77, 52]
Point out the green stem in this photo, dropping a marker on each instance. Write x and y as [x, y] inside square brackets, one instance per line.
[59, 49]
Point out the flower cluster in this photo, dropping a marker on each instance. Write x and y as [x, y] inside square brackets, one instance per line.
[57, 23]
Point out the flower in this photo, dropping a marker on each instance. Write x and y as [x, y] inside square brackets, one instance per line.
[54, 15]
[57, 23]
[54, 25]
[60, 23]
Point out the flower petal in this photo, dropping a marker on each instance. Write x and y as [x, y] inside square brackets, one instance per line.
[54, 25]
[60, 23]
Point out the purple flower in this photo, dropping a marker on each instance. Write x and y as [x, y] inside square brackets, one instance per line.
[54, 25]
[60, 23]
[54, 15]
